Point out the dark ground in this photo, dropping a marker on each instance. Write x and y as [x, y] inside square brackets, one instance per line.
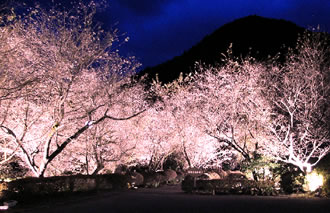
[172, 199]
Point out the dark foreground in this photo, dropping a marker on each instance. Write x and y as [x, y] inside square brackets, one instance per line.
[172, 199]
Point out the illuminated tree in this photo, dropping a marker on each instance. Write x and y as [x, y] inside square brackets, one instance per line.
[108, 144]
[245, 109]
[97, 150]
[152, 136]
[252, 108]
[15, 81]
[174, 125]
[227, 106]
[74, 77]
[299, 94]
[187, 103]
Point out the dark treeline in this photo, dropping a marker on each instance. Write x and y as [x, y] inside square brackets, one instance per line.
[258, 37]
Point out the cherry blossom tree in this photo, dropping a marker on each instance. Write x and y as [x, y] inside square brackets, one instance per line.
[198, 147]
[173, 125]
[107, 145]
[228, 107]
[96, 151]
[12, 85]
[245, 109]
[76, 75]
[253, 108]
[152, 136]
[299, 95]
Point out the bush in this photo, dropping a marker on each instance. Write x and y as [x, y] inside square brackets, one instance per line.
[323, 168]
[228, 186]
[170, 176]
[135, 178]
[180, 177]
[38, 187]
[291, 179]
[121, 169]
[210, 176]
[174, 161]
[260, 168]
[187, 184]
[326, 185]
[154, 179]
[12, 170]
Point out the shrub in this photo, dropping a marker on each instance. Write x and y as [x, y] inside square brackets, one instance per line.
[170, 176]
[228, 186]
[174, 161]
[154, 179]
[260, 168]
[210, 176]
[326, 185]
[180, 176]
[323, 168]
[12, 170]
[121, 169]
[135, 178]
[291, 179]
[187, 184]
[38, 187]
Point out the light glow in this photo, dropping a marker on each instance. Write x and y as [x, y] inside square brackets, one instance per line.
[314, 181]
[3, 207]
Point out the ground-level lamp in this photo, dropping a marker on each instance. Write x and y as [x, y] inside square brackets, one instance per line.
[314, 181]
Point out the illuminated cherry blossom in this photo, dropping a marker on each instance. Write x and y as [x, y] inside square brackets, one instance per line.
[75, 78]
[299, 93]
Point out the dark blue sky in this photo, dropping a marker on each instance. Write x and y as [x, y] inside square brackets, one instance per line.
[162, 29]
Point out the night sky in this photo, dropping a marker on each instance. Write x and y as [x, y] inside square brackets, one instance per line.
[161, 29]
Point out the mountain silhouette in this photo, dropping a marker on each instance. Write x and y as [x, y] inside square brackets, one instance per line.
[255, 36]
